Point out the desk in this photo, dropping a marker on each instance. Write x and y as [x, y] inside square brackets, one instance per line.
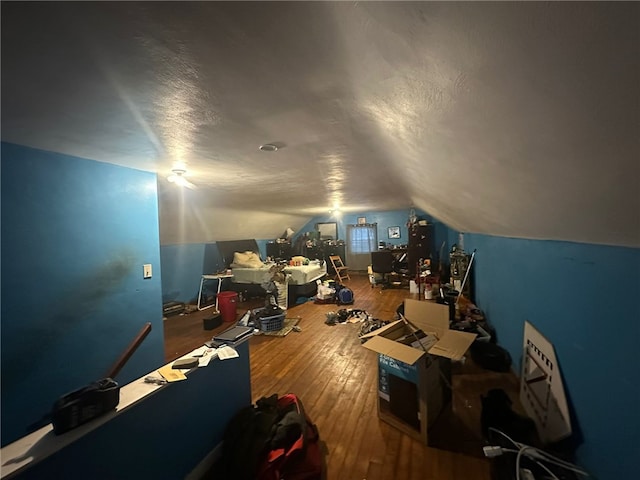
[215, 276]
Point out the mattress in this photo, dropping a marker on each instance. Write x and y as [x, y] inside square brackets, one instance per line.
[306, 273]
[298, 275]
[251, 275]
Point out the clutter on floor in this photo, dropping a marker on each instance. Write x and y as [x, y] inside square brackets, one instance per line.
[344, 315]
[289, 325]
[330, 291]
[272, 439]
[270, 320]
[512, 459]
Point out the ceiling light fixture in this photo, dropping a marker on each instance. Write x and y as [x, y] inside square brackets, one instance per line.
[177, 177]
[268, 147]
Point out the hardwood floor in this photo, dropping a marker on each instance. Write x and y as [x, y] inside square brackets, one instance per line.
[336, 379]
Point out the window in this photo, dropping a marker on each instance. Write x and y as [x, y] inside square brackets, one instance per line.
[362, 238]
[361, 241]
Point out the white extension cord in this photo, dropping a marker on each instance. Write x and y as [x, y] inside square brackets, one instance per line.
[535, 454]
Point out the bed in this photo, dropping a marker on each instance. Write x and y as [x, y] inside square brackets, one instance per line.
[298, 275]
[250, 273]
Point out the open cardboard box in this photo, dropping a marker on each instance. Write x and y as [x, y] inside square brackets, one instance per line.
[431, 318]
[428, 366]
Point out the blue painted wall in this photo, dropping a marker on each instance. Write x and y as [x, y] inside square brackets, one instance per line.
[75, 234]
[584, 299]
[182, 267]
[262, 246]
[184, 264]
[384, 220]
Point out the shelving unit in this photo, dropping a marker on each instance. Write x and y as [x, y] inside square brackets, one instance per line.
[420, 245]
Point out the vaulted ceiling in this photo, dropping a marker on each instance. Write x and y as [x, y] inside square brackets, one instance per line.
[516, 119]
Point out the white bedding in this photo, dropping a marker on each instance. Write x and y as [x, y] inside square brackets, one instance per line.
[297, 275]
[250, 275]
[306, 273]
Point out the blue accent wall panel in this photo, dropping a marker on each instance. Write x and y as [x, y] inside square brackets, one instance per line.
[182, 268]
[75, 235]
[184, 264]
[584, 299]
[384, 220]
[262, 247]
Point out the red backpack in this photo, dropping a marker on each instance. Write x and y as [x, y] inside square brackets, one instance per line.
[295, 452]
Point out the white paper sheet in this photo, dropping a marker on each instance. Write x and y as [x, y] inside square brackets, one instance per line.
[227, 352]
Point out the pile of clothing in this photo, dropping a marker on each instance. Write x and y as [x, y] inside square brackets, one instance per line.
[344, 314]
[354, 315]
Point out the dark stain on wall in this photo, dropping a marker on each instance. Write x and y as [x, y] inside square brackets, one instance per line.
[80, 302]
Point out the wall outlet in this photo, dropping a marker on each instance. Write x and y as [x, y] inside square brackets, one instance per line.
[146, 270]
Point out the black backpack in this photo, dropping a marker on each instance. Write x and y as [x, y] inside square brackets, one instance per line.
[246, 439]
[272, 440]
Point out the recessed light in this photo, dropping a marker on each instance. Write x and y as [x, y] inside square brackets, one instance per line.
[268, 147]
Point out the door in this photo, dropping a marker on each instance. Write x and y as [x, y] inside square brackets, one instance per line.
[361, 241]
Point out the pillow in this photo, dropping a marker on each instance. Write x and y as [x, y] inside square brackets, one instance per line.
[246, 260]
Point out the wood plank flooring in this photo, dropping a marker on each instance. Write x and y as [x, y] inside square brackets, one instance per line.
[336, 378]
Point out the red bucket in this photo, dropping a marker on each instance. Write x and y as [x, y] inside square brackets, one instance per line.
[227, 305]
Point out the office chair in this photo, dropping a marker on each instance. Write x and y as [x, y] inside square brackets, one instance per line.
[382, 262]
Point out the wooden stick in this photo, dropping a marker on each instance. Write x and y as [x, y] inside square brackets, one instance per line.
[115, 369]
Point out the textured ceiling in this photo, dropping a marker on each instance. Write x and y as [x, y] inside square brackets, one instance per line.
[517, 119]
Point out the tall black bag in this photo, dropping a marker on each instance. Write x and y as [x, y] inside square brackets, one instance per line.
[246, 439]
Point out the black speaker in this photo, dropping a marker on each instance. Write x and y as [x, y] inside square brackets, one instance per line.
[212, 322]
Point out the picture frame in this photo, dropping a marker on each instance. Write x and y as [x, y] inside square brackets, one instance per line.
[362, 220]
[394, 232]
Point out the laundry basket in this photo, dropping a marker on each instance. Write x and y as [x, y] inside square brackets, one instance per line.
[272, 323]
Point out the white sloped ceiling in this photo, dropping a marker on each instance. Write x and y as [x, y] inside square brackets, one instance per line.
[507, 118]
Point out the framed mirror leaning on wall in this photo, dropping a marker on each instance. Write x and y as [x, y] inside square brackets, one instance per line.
[328, 230]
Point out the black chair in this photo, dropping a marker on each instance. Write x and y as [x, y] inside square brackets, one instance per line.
[382, 262]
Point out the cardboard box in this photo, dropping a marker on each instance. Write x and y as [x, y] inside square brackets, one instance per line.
[414, 381]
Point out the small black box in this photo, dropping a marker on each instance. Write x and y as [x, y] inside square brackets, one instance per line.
[80, 406]
[212, 322]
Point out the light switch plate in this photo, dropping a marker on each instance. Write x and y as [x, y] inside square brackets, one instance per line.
[146, 270]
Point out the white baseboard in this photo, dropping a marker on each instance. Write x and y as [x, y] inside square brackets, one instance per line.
[206, 464]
